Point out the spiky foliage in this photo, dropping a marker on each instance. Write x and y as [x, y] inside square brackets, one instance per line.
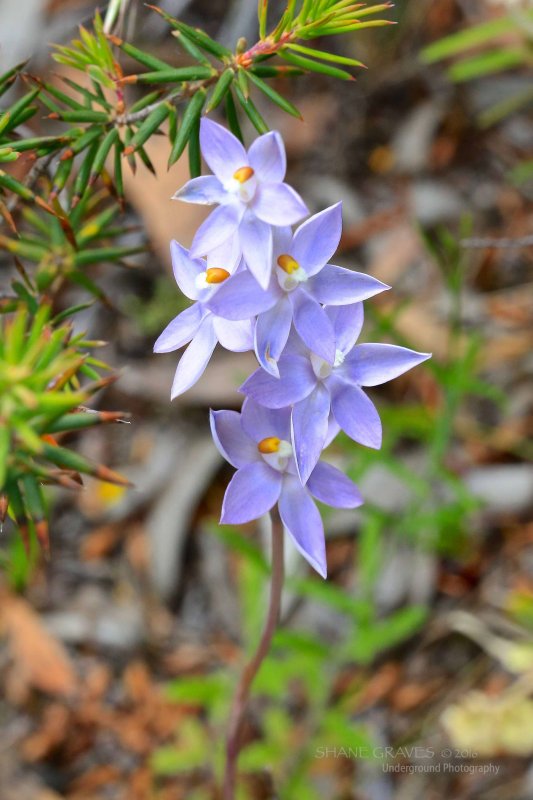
[42, 397]
[63, 253]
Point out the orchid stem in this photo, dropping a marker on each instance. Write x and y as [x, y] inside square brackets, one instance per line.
[242, 694]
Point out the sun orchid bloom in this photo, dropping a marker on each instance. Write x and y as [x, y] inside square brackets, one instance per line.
[197, 324]
[302, 280]
[249, 189]
[257, 442]
[315, 386]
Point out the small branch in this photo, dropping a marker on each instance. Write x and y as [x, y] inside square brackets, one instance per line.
[522, 241]
[39, 168]
[242, 694]
[187, 90]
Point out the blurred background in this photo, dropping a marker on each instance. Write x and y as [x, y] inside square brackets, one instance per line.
[409, 673]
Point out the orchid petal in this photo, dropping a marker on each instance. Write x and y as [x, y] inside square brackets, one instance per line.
[278, 204]
[281, 239]
[317, 239]
[186, 269]
[331, 486]
[347, 323]
[221, 223]
[295, 346]
[271, 334]
[240, 297]
[231, 441]
[204, 190]
[333, 430]
[260, 423]
[195, 359]
[313, 325]
[226, 255]
[296, 380]
[251, 493]
[222, 151]
[356, 414]
[181, 330]
[374, 364]
[267, 157]
[337, 286]
[233, 335]
[309, 430]
[256, 242]
[303, 522]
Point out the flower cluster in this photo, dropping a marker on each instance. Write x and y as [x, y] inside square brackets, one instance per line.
[258, 285]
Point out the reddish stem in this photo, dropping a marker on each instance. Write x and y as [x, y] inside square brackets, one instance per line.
[242, 694]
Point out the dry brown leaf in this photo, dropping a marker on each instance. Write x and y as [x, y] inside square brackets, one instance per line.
[51, 734]
[378, 686]
[100, 543]
[410, 695]
[138, 683]
[40, 660]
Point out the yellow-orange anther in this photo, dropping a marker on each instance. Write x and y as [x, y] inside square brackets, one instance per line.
[269, 445]
[243, 174]
[288, 264]
[216, 275]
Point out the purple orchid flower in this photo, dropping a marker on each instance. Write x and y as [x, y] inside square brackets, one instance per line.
[257, 443]
[197, 324]
[315, 386]
[302, 279]
[250, 192]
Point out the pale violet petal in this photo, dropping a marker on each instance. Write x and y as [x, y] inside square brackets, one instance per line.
[230, 439]
[186, 269]
[271, 334]
[256, 242]
[226, 255]
[331, 486]
[241, 297]
[347, 323]
[252, 492]
[278, 204]
[195, 359]
[267, 157]
[302, 520]
[356, 414]
[237, 336]
[222, 151]
[221, 223]
[338, 286]
[310, 429]
[317, 239]
[374, 364]
[181, 330]
[260, 423]
[313, 325]
[205, 190]
[296, 381]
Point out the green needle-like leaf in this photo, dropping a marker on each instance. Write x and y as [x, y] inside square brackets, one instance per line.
[276, 98]
[190, 117]
[220, 89]
[316, 66]
[179, 75]
[148, 127]
[251, 111]
[146, 59]
[232, 117]
[104, 148]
